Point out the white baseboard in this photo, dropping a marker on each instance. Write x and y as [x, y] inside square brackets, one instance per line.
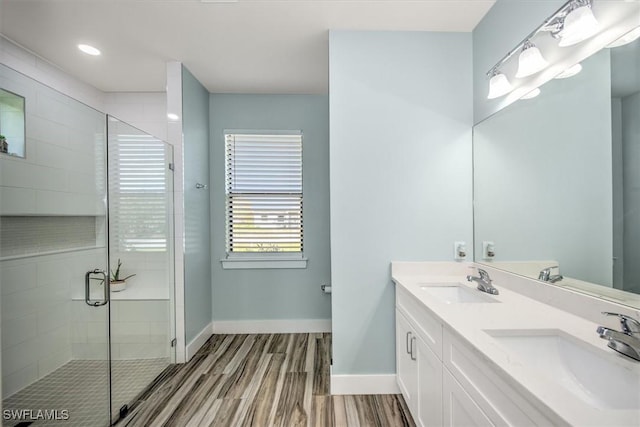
[364, 384]
[271, 326]
[199, 340]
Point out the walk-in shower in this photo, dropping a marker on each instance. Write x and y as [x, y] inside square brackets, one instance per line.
[85, 195]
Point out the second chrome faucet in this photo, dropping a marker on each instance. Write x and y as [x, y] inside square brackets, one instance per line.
[626, 341]
[546, 276]
[485, 284]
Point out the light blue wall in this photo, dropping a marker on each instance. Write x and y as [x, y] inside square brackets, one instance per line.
[274, 294]
[631, 154]
[502, 28]
[617, 159]
[197, 273]
[543, 175]
[401, 117]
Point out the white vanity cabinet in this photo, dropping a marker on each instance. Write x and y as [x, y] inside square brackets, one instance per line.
[459, 409]
[419, 369]
[445, 382]
[473, 389]
[406, 366]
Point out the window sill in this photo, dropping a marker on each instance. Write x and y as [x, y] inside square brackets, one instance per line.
[244, 263]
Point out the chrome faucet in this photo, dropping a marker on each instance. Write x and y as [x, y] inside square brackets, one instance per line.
[484, 282]
[545, 275]
[626, 341]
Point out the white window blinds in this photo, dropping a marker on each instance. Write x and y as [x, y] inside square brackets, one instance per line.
[264, 193]
[138, 193]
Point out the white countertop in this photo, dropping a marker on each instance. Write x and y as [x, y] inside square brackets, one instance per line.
[516, 312]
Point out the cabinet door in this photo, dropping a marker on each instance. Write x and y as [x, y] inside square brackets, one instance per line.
[429, 386]
[406, 367]
[459, 409]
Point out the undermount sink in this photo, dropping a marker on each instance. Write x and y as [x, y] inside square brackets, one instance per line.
[452, 293]
[590, 373]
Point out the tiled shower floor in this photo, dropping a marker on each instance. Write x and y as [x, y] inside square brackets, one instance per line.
[81, 387]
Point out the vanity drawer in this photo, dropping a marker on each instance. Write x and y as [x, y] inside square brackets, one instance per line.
[501, 403]
[426, 325]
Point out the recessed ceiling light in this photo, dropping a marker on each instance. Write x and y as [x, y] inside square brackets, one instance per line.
[172, 116]
[89, 50]
[531, 94]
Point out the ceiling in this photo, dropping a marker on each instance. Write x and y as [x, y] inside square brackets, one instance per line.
[242, 46]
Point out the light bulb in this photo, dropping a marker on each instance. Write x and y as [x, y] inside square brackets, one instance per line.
[530, 61]
[499, 85]
[579, 25]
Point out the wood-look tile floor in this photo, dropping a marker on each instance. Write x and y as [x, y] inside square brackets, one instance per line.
[260, 380]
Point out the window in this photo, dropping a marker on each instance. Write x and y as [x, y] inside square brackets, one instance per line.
[264, 195]
[138, 193]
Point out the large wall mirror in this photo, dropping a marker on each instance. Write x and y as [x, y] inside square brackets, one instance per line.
[557, 181]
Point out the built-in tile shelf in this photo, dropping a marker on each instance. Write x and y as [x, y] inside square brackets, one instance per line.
[29, 236]
[133, 294]
[62, 251]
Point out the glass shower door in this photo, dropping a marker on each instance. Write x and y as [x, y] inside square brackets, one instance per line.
[53, 256]
[141, 254]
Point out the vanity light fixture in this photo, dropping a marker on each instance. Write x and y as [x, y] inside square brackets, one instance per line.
[89, 50]
[530, 60]
[631, 36]
[531, 94]
[571, 23]
[569, 72]
[498, 85]
[173, 116]
[579, 24]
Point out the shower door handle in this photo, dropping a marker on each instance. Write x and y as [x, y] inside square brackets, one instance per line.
[105, 284]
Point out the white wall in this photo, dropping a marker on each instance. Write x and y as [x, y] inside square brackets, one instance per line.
[400, 177]
[146, 111]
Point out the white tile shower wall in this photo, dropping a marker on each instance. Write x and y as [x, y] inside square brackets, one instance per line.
[139, 330]
[64, 154]
[35, 310]
[153, 274]
[12, 125]
[23, 199]
[146, 111]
